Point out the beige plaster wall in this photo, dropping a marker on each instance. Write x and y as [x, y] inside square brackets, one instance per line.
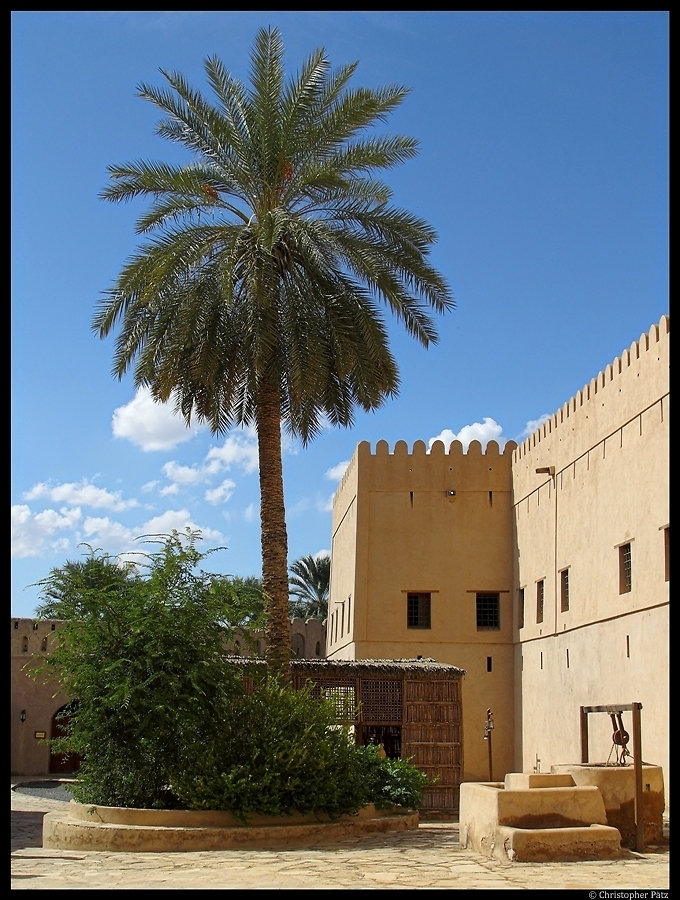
[610, 448]
[399, 528]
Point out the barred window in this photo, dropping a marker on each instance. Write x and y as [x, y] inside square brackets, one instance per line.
[540, 594]
[488, 612]
[564, 590]
[418, 611]
[625, 569]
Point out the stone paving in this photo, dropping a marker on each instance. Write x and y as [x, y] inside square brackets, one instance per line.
[428, 858]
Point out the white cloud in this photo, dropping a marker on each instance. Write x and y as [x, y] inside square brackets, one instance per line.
[302, 506]
[238, 449]
[179, 520]
[250, 512]
[327, 504]
[488, 430]
[115, 537]
[182, 474]
[320, 554]
[531, 426]
[222, 493]
[151, 425]
[109, 534]
[83, 493]
[336, 472]
[35, 534]
[446, 437]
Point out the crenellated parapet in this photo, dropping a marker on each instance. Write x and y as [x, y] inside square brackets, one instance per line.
[439, 469]
[33, 636]
[635, 381]
[307, 640]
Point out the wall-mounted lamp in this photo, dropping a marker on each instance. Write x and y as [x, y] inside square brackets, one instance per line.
[450, 493]
[546, 470]
[23, 716]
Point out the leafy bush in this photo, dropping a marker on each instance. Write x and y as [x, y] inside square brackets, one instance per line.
[163, 719]
[280, 752]
[393, 781]
[144, 656]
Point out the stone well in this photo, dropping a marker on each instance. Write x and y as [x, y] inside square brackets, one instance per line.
[617, 786]
[536, 818]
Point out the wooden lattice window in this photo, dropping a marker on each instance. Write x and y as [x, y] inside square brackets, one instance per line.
[343, 693]
[564, 590]
[540, 596]
[381, 700]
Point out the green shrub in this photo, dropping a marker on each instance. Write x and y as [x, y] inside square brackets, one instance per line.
[163, 719]
[144, 656]
[395, 781]
[278, 752]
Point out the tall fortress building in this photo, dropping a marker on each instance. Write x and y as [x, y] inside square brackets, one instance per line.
[542, 570]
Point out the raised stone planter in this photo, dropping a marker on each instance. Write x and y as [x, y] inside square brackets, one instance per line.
[85, 827]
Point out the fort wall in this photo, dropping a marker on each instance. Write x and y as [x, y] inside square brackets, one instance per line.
[416, 520]
[597, 526]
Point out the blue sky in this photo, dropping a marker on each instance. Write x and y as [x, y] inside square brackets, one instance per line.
[543, 167]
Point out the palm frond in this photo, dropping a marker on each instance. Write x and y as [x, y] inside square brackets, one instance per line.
[272, 260]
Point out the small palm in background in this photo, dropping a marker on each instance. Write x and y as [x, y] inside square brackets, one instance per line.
[310, 581]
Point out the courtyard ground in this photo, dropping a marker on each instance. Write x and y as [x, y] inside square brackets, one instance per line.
[430, 857]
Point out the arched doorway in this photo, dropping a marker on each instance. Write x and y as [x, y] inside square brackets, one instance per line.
[297, 646]
[64, 763]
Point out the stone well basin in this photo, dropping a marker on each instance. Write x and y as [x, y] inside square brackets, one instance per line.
[617, 786]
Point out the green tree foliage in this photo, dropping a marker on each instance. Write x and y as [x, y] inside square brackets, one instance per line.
[243, 601]
[281, 752]
[68, 590]
[161, 716]
[259, 298]
[310, 582]
[144, 656]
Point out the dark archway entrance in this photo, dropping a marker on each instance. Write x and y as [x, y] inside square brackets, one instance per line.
[63, 763]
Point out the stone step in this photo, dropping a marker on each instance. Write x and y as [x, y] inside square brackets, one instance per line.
[556, 844]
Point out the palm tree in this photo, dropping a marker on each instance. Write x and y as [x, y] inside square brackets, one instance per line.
[258, 300]
[310, 583]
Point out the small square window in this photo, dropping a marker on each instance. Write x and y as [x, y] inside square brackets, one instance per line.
[488, 612]
[625, 569]
[540, 595]
[418, 611]
[564, 590]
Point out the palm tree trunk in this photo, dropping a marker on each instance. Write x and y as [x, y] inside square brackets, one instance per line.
[274, 534]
